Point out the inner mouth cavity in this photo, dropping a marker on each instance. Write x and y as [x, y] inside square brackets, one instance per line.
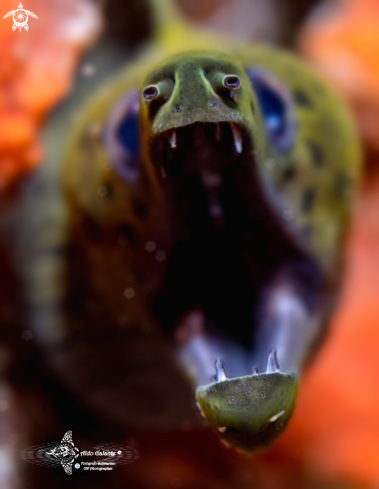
[203, 357]
[206, 152]
[207, 173]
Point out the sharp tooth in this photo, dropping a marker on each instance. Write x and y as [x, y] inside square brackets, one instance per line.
[255, 370]
[272, 364]
[237, 138]
[218, 132]
[220, 371]
[173, 139]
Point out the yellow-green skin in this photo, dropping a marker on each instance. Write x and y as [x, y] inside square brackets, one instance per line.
[324, 160]
[250, 412]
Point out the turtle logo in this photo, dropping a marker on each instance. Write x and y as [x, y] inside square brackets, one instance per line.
[20, 18]
[65, 453]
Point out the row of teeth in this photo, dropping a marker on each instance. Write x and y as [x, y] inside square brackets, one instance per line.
[272, 366]
[211, 180]
[236, 136]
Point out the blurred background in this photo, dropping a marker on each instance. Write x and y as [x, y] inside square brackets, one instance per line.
[45, 74]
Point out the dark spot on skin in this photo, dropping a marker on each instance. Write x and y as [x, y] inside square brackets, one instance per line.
[212, 104]
[252, 107]
[108, 190]
[289, 173]
[85, 142]
[127, 232]
[172, 77]
[231, 399]
[308, 200]
[316, 154]
[89, 140]
[205, 72]
[261, 394]
[340, 183]
[140, 209]
[178, 109]
[92, 230]
[301, 98]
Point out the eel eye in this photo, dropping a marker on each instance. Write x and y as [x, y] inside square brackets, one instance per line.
[151, 92]
[122, 137]
[232, 82]
[276, 107]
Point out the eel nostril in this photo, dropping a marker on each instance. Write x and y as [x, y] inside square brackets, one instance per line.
[159, 92]
[225, 85]
[151, 92]
[232, 82]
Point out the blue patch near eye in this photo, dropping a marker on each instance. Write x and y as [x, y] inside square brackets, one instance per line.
[273, 109]
[122, 140]
[276, 108]
[127, 134]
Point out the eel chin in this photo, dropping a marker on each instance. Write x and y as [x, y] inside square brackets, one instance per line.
[249, 412]
[209, 175]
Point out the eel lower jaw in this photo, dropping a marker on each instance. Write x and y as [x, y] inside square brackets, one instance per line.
[248, 412]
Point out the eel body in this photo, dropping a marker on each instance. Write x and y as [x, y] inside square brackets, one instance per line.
[206, 196]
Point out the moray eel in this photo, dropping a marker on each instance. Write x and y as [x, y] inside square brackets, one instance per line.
[207, 195]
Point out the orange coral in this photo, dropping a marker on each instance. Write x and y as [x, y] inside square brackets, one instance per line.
[342, 40]
[35, 72]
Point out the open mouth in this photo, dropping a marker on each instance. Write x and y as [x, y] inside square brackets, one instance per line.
[227, 245]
